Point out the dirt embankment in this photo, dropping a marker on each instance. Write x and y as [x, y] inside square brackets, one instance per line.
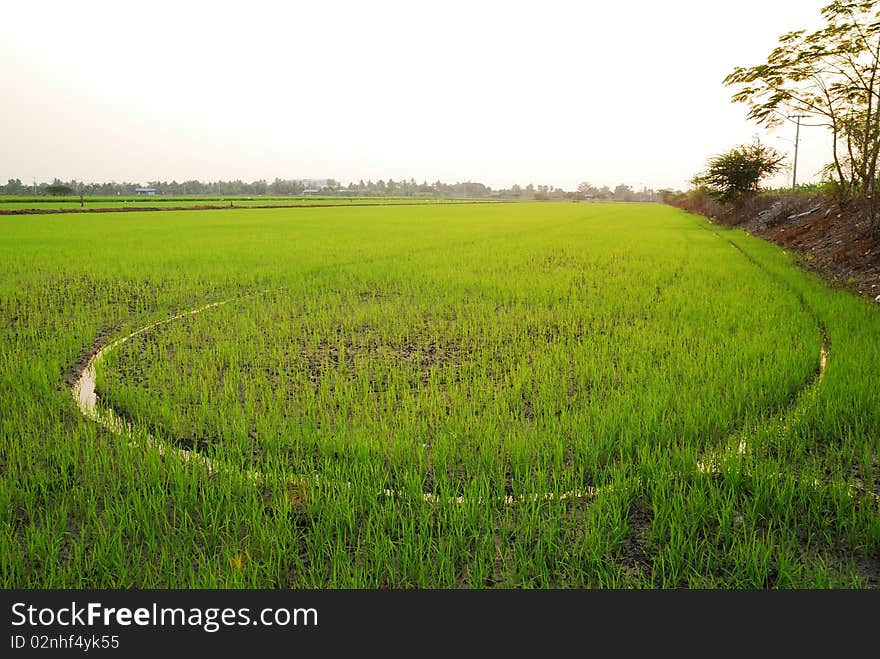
[831, 239]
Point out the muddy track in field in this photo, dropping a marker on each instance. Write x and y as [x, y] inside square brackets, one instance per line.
[83, 392]
[711, 460]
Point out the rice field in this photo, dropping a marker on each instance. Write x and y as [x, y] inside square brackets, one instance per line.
[71, 203]
[541, 395]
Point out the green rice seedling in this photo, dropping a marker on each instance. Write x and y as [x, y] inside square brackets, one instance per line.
[538, 395]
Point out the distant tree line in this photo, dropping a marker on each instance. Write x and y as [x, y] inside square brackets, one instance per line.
[332, 187]
[620, 192]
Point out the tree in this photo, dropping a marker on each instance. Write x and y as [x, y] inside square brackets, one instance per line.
[737, 173]
[58, 189]
[833, 76]
[623, 192]
[667, 194]
[586, 190]
[13, 186]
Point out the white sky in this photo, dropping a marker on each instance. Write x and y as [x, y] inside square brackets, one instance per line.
[550, 92]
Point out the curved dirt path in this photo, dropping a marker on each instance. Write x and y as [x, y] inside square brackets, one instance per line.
[83, 392]
[712, 460]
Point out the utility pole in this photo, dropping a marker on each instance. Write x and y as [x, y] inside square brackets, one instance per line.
[797, 137]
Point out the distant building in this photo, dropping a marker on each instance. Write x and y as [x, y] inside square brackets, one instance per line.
[145, 191]
[311, 191]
